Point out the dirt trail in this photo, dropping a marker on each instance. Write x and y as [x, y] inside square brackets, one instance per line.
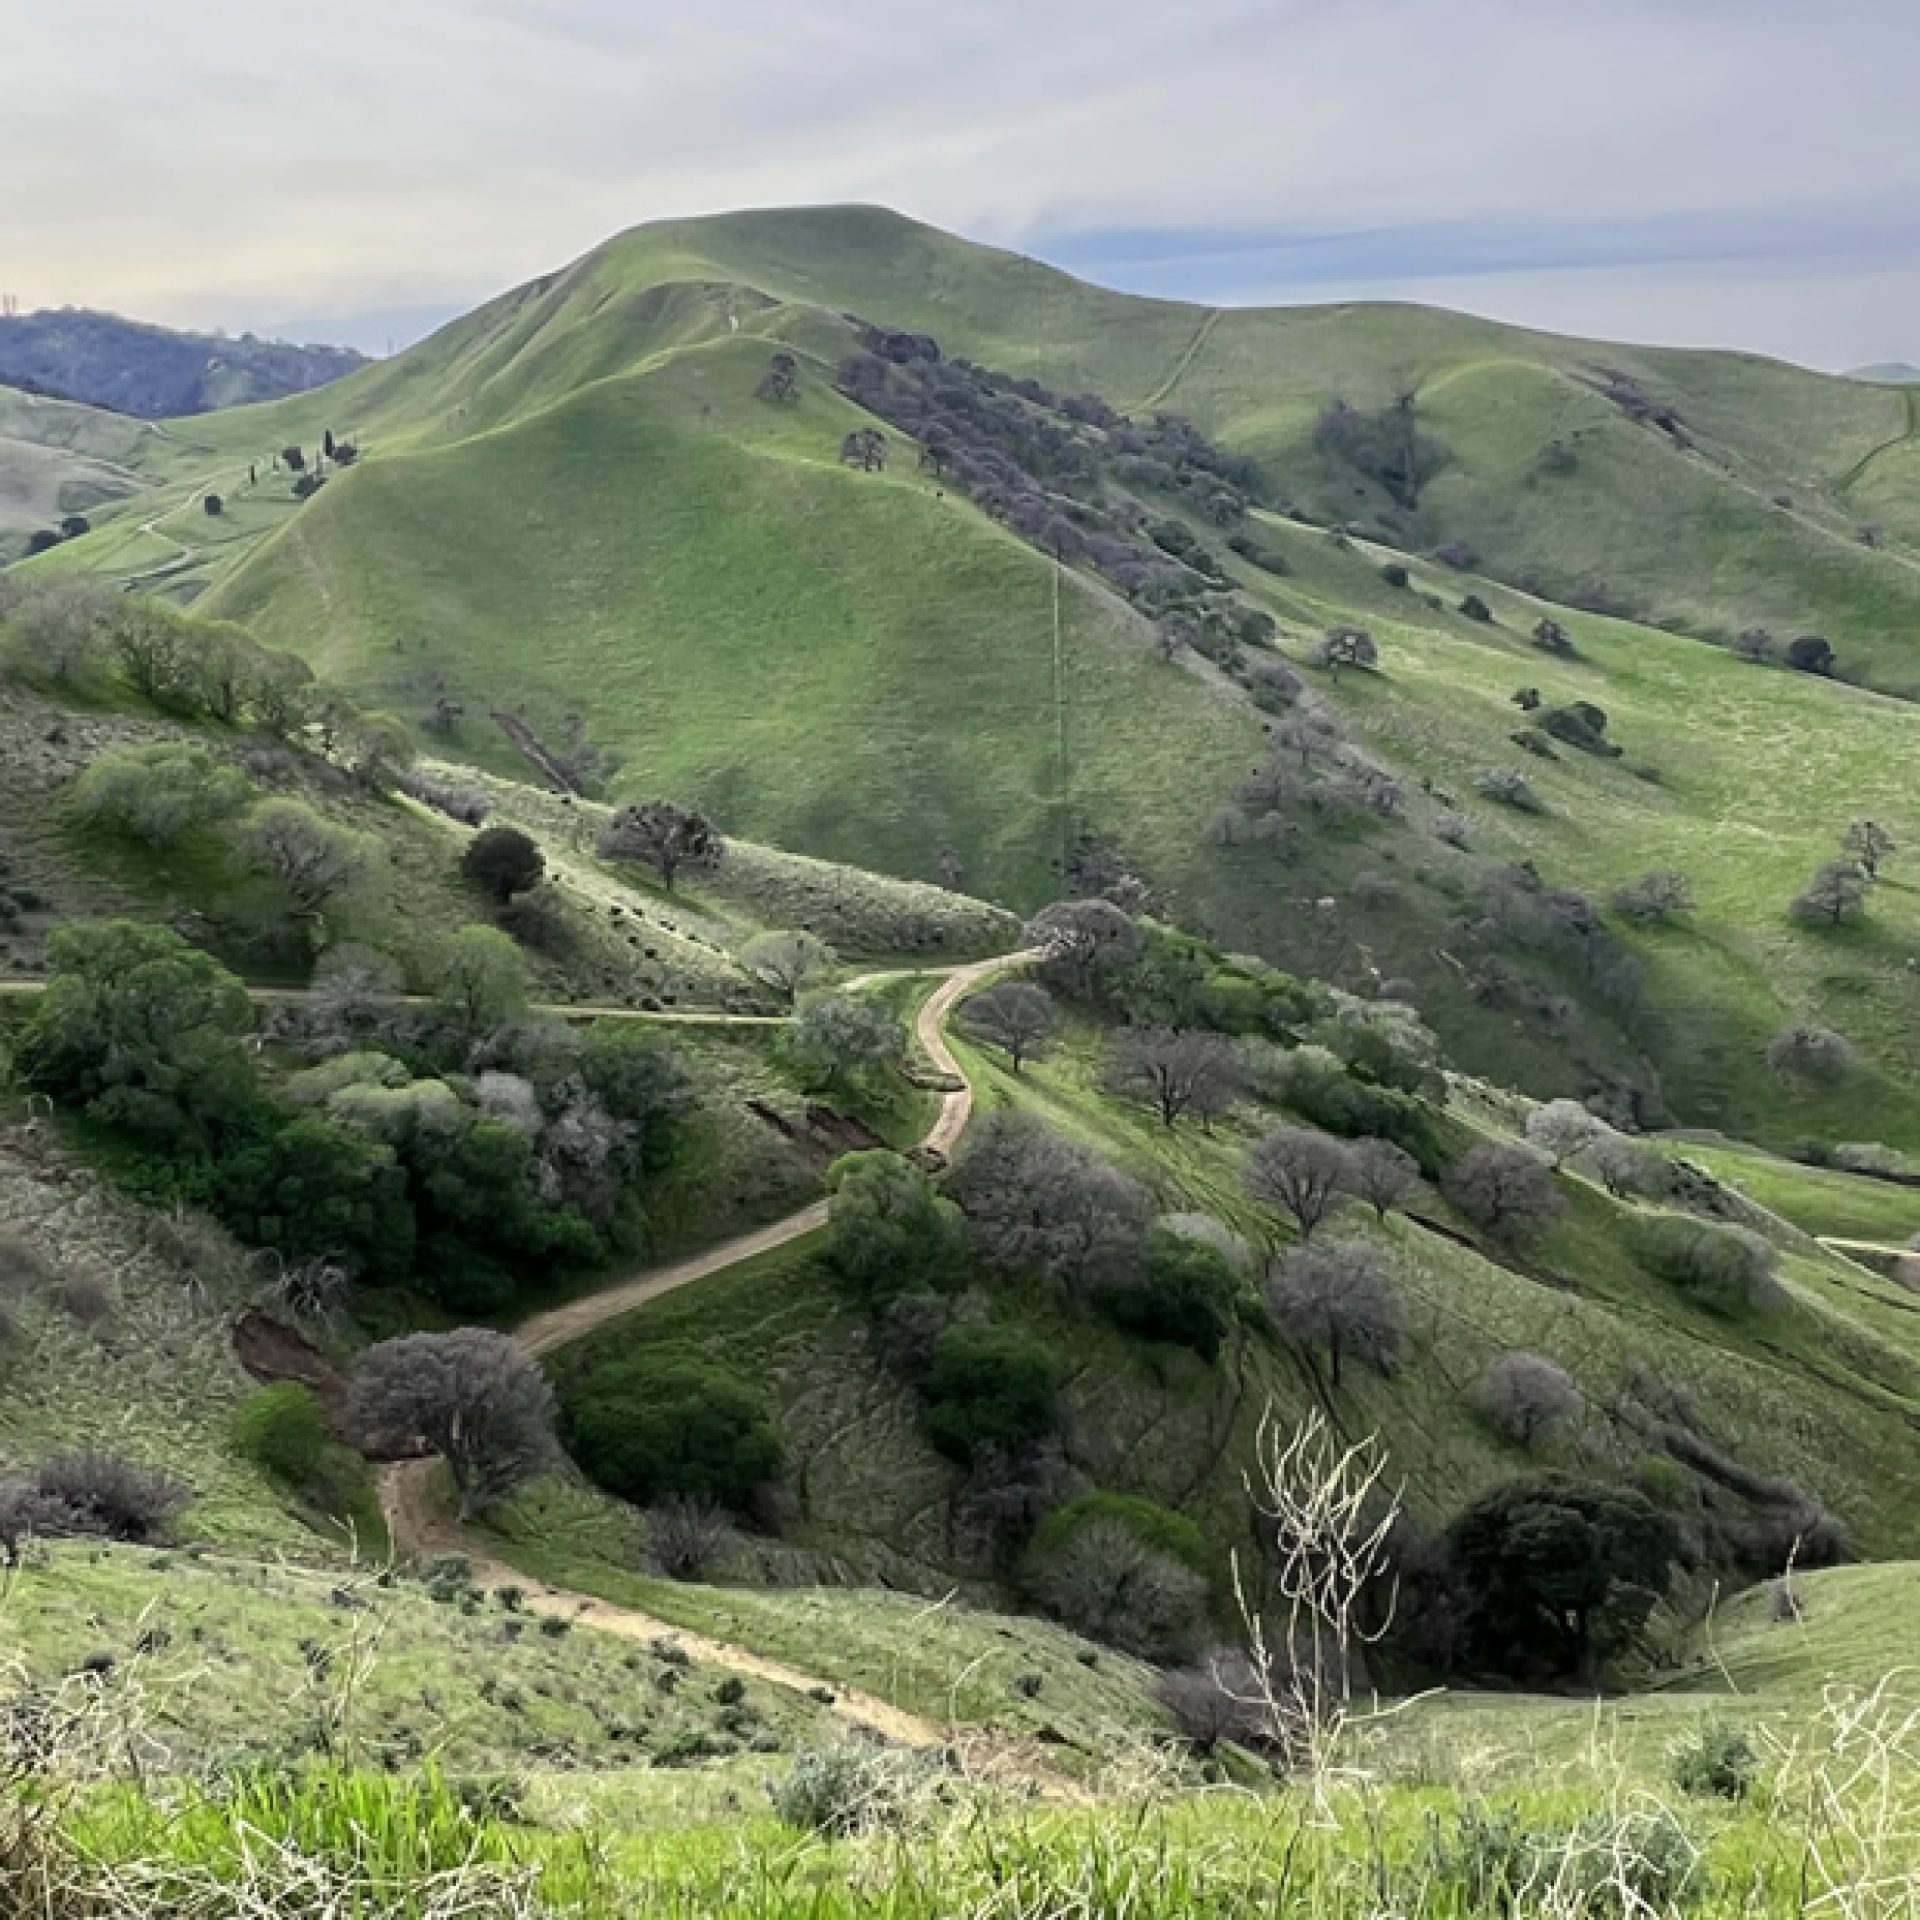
[1836, 1244]
[413, 1519]
[419, 1529]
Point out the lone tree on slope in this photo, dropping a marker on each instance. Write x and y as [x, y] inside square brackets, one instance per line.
[471, 1395]
[1016, 1016]
[504, 861]
[672, 840]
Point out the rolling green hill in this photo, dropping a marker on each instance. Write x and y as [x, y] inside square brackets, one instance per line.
[572, 507]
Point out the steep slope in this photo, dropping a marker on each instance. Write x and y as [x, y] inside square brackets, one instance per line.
[829, 659]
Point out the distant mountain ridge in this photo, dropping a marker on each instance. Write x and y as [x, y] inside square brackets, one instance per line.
[1888, 373]
[130, 366]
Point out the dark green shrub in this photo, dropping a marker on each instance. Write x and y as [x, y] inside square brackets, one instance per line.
[503, 861]
[1557, 1574]
[889, 1231]
[670, 1421]
[988, 1387]
[283, 1429]
[313, 1190]
[1716, 1761]
[1183, 1293]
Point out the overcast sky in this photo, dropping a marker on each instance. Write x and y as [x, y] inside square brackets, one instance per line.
[1725, 172]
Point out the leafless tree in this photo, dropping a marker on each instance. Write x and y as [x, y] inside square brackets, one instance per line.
[781, 381]
[1301, 1170]
[1016, 1016]
[1107, 1582]
[1562, 1129]
[1507, 1191]
[1081, 939]
[1037, 1202]
[1523, 1395]
[672, 840]
[1656, 897]
[1345, 647]
[686, 1536]
[787, 962]
[1811, 1056]
[1175, 1073]
[1381, 1174]
[1868, 843]
[472, 1396]
[1217, 1700]
[1334, 1295]
[1838, 892]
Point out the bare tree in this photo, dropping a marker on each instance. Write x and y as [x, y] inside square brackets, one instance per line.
[1522, 1395]
[472, 1396]
[1381, 1174]
[1334, 1295]
[1175, 1073]
[1104, 1580]
[670, 839]
[1081, 939]
[1836, 893]
[1811, 1056]
[1345, 647]
[1217, 1700]
[1754, 644]
[1037, 1202]
[865, 448]
[1507, 1191]
[1563, 1128]
[686, 1536]
[787, 962]
[1301, 1170]
[1016, 1016]
[1626, 1167]
[1868, 843]
[1656, 897]
[781, 381]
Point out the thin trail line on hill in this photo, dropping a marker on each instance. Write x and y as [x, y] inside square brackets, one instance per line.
[1184, 365]
[1855, 472]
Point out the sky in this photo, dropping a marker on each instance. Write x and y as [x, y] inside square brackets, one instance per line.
[1735, 173]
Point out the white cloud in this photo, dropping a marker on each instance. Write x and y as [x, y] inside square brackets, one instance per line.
[230, 162]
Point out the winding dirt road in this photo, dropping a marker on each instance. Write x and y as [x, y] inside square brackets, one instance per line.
[420, 1529]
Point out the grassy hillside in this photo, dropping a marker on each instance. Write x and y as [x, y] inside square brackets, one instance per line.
[573, 509]
[1840, 1355]
[842, 662]
[58, 460]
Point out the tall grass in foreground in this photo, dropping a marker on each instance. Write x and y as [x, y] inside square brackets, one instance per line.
[1828, 1825]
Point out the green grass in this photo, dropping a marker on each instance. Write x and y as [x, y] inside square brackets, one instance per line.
[936, 1655]
[1819, 1200]
[240, 1660]
[735, 618]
